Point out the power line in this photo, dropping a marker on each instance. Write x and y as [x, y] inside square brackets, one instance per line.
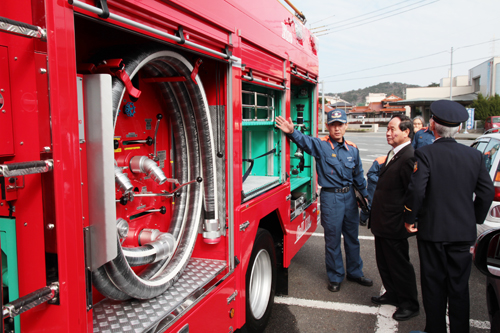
[418, 58]
[338, 30]
[416, 70]
[356, 17]
[364, 14]
[490, 41]
[387, 65]
[326, 19]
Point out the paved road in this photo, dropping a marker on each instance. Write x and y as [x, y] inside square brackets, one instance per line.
[310, 307]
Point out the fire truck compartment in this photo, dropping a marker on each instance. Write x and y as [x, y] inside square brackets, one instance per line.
[302, 168]
[9, 266]
[261, 139]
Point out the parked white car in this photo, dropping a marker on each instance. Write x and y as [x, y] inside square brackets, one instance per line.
[489, 144]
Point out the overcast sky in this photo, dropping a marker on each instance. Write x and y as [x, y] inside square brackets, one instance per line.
[359, 39]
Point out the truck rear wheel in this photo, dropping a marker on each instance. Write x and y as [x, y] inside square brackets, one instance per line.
[260, 282]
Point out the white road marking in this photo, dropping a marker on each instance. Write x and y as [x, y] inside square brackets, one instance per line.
[484, 325]
[317, 234]
[309, 303]
[384, 324]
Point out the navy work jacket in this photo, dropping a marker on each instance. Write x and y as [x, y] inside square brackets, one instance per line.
[338, 164]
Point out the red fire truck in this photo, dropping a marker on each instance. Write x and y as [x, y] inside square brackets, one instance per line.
[144, 184]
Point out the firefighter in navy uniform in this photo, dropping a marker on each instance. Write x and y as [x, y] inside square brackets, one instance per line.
[338, 168]
[441, 194]
[423, 137]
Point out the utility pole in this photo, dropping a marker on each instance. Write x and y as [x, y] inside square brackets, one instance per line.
[451, 75]
[323, 103]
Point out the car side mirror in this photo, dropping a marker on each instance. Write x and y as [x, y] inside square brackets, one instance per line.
[486, 254]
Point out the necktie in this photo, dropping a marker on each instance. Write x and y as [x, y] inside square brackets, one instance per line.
[391, 155]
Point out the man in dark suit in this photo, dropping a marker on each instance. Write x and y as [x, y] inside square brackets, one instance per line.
[441, 194]
[386, 222]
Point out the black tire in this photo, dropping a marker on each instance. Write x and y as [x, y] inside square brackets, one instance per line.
[260, 282]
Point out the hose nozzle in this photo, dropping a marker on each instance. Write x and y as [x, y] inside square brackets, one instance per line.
[149, 167]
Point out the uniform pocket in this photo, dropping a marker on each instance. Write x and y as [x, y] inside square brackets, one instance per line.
[333, 164]
[332, 161]
[350, 164]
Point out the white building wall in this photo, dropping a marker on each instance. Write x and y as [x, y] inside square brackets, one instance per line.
[444, 82]
[461, 81]
[497, 80]
[458, 81]
[487, 72]
[375, 97]
[436, 92]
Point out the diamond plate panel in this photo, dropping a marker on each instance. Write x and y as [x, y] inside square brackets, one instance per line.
[140, 316]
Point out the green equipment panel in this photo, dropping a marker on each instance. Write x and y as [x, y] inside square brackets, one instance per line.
[9, 263]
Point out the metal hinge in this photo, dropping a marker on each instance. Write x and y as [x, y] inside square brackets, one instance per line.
[244, 225]
[288, 197]
[232, 297]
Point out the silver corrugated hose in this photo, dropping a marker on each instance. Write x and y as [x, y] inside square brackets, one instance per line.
[194, 156]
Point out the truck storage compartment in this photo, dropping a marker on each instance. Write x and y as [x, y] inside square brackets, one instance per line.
[261, 140]
[302, 168]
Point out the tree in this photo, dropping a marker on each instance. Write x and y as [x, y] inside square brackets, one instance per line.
[320, 101]
[433, 84]
[486, 107]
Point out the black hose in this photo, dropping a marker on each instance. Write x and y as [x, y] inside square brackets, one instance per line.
[103, 284]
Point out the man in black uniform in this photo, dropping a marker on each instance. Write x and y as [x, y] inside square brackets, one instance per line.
[441, 194]
[386, 222]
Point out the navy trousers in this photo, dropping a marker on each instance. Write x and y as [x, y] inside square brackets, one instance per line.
[445, 269]
[339, 216]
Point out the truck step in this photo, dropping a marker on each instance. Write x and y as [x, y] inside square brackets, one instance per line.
[147, 315]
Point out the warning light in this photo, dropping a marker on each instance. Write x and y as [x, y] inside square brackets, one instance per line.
[231, 313]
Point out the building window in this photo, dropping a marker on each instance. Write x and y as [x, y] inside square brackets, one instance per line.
[475, 83]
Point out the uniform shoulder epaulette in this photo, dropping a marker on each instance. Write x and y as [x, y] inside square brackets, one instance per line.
[351, 144]
[324, 138]
[381, 159]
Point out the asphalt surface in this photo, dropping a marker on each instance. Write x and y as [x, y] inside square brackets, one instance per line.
[310, 307]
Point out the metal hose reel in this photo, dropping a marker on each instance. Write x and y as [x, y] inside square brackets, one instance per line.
[165, 257]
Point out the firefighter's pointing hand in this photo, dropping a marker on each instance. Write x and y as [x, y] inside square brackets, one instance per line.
[285, 125]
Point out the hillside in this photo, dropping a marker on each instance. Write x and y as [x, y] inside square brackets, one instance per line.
[356, 97]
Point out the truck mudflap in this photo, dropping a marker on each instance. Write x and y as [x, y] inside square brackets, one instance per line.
[157, 314]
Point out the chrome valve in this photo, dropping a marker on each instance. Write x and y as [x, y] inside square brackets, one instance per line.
[149, 167]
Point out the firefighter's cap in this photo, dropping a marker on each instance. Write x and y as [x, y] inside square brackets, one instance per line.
[336, 115]
[448, 113]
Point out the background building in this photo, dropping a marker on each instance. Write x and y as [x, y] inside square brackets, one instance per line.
[483, 78]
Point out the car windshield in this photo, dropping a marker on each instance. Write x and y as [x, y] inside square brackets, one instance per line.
[480, 145]
[490, 153]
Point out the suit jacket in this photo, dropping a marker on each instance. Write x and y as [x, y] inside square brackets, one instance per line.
[441, 192]
[386, 218]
